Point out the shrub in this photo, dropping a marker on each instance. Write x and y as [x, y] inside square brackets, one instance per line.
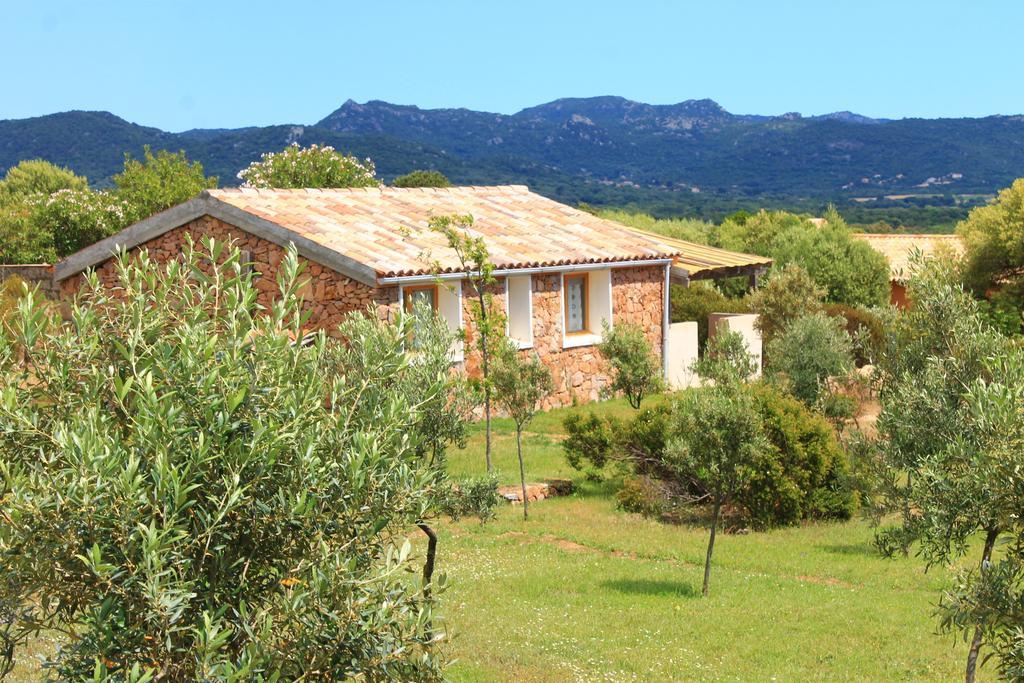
[866, 330]
[697, 302]
[422, 179]
[200, 497]
[788, 294]
[78, 218]
[635, 370]
[588, 443]
[313, 166]
[643, 495]
[811, 350]
[726, 359]
[805, 474]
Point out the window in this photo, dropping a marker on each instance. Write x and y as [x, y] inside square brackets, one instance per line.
[426, 294]
[586, 306]
[414, 298]
[576, 295]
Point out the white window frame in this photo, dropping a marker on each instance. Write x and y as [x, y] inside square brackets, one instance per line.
[594, 334]
[522, 343]
[445, 288]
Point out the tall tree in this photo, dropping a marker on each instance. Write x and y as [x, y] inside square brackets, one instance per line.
[159, 181]
[313, 166]
[951, 433]
[36, 177]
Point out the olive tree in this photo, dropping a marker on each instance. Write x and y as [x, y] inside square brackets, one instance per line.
[635, 369]
[951, 438]
[718, 438]
[193, 488]
[520, 383]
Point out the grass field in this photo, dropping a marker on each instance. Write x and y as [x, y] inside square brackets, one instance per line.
[585, 592]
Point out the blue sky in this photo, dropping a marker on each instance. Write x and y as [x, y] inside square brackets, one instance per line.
[182, 64]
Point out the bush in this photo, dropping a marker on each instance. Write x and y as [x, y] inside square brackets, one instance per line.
[588, 443]
[304, 167]
[788, 294]
[866, 330]
[697, 302]
[422, 179]
[642, 495]
[809, 352]
[200, 497]
[806, 473]
[635, 370]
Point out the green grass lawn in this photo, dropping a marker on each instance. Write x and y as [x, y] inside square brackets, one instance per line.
[583, 591]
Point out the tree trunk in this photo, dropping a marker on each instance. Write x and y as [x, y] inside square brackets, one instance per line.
[972, 655]
[485, 369]
[522, 470]
[428, 565]
[711, 545]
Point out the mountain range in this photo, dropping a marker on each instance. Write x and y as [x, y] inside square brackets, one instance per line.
[602, 150]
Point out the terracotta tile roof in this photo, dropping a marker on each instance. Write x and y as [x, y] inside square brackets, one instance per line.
[386, 228]
[897, 248]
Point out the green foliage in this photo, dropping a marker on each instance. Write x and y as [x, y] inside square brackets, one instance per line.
[689, 229]
[37, 177]
[697, 302]
[22, 240]
[804, 474]
[588, 443]
[159, 182]
[849, 270]
[865, 328]
[422, 179]
[810, 351]
[788, 294]
[643, 495]
[952, 398]
[77, 218]
[727, 359]
[520, 384]
[189, 494]
[304, 167]
[635, 370]
[994, 235]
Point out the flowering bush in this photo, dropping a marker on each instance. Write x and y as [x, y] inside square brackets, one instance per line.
[313, 166]
[78, 218]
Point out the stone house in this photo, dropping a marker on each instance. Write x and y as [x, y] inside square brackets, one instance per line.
[898, 248]
[561, 272]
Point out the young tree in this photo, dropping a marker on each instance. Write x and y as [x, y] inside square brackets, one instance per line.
[519, 386]
[718, 439]
[313, 166]
[422, 179]
[488, 324]
[159, 181]
[190, 493]
[635, 369]
[810, 351]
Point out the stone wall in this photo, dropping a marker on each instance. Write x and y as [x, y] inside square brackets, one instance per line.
[578, 372]
[329, 295]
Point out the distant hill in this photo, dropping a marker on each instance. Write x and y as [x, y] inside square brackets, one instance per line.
[602, 150]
